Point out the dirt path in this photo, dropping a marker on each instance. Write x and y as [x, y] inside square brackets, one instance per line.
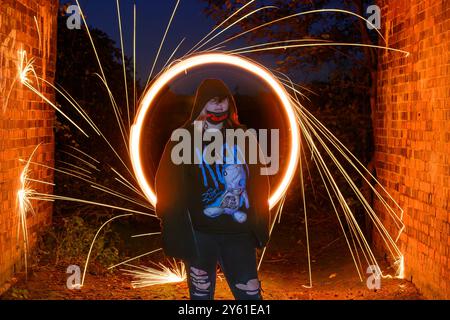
[283, 274]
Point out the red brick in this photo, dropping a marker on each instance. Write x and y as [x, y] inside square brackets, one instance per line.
[412, 130]
[20, 127]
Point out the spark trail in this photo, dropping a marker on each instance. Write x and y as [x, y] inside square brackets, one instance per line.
[319, 141]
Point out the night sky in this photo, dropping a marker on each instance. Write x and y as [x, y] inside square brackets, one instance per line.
[152, 19]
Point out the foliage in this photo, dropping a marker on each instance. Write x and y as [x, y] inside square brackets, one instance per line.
[18, 293]
[354, 62]
[69, 239]
[77, 72]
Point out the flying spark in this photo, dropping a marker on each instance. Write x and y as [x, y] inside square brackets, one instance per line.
[147, 276]
[303, 127]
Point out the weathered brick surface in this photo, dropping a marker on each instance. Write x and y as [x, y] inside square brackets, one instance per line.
[25, 121]
[412, 133]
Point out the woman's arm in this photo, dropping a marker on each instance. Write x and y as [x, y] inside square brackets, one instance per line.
[259, 193]
[168, 184]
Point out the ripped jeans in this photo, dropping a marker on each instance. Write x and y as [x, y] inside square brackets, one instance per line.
[236, 255]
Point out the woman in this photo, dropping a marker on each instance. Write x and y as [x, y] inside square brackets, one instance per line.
[214, 213]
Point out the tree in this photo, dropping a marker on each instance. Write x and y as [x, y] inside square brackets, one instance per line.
[76, 72]
[346, 76]
[337, 27]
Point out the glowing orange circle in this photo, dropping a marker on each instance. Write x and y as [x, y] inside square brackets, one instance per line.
[200, 60]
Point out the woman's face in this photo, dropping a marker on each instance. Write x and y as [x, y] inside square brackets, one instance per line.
[216, 106]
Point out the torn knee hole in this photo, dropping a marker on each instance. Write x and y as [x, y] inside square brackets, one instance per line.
[200, 294]
[252, 287]
[200, 281]
[198, 272]
[201, 286]
[199, 275]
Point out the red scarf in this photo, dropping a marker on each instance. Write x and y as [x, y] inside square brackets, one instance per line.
[216, 117]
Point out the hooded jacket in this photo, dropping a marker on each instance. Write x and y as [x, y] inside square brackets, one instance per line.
[173, 188]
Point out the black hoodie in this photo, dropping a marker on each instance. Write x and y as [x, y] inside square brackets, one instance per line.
[210, 198]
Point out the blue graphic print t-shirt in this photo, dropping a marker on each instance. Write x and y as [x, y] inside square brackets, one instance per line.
[218, 200]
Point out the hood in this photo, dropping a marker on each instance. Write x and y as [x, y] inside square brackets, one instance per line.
[209, 89]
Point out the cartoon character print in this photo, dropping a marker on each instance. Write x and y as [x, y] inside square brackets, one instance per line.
[234, 196]
[228, 195]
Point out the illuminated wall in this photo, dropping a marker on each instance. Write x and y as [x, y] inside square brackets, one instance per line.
[412, 135]
[25, 122]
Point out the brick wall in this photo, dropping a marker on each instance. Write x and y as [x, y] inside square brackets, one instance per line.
[412, 135]
[25, 122]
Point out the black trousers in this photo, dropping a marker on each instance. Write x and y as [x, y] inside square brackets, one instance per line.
[236, 255]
